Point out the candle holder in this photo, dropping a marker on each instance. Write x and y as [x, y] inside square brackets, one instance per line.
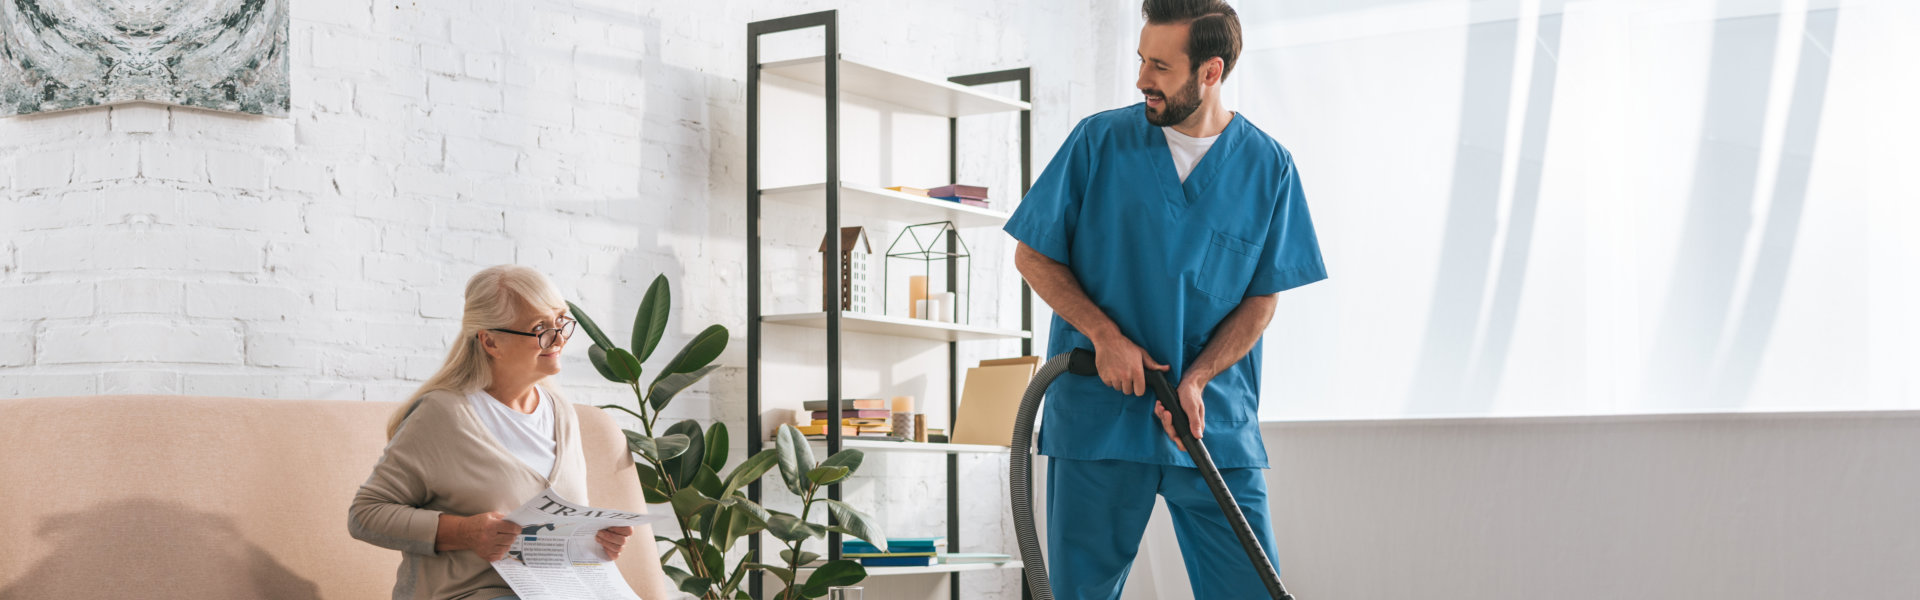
[914, 253]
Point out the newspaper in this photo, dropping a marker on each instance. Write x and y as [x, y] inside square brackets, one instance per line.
[556, 556]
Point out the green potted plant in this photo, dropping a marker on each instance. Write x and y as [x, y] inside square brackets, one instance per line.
[681, 466]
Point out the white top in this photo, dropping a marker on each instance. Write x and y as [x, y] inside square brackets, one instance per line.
[529, 437]
[1187, 150]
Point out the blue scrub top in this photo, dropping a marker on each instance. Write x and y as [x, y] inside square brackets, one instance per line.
[1167, 262]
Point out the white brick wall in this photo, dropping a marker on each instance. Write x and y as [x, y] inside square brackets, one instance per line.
[148, 249]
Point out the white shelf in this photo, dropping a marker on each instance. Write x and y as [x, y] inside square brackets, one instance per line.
[926, 447]
[858, 200]
[932, 569]
[898, 326]
[931, 96]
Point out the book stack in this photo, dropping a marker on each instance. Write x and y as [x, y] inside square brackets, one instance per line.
[970, 195]
[972, 558]
[901, 552]
[859, 417]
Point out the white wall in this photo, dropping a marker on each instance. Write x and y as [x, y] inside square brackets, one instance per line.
[146, 249]
[1602, 207]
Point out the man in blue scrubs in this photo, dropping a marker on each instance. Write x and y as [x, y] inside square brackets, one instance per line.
[1160, 234]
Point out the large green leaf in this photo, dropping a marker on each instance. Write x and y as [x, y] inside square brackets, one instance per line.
[717, 447]
[678, 576]
[671, 384]
[704, 347]
[651, 486]
[651, 320]
[751, 470]
[639, 443]
[709, 483]
[787, 527]
[671, 446]
[593, 331]
[695, 585]
[624, 365]
[688, 501]
[832, 574]
[685, 467]
[801, 560]
[796, 458]
[741, 519]
[784, 574]
[857, 523]
[598, 356]
[826, 475]
[713, 558]
[849, 458]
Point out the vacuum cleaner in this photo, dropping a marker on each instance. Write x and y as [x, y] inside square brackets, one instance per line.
[1080, 362]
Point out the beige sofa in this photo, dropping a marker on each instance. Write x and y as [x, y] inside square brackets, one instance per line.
[213, 498]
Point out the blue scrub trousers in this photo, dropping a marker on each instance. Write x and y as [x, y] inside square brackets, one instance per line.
[1097, 511]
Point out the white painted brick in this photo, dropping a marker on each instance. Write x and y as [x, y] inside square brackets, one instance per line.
[140, 118]
[475, 218]
[241, 170]
[349, 13]
[209, 127]
[246, 301]
[47, 301]
[381, 299]
[47, 385]
[50, 211]
[363, 180]
[399, 210]
[442, 302]
[116, 342]
[267, 349]
[462, 92]
[434, 335]
[16, 348]
[359, 366]
[122, 381]
[280, 214]
[386, 107]
[480, 158]
[139, 296]
[485, 67]
[445, 60]
[534, 226]
[232, 385]
[400, 269]
[602, 233]
[34, 170]
[301, 176]
[422, 366]
[411, 20]
[475, 35]
[318, 389]
[421, 181]
[144, 203]
[342, 50]
[321, 260]
[330, 95]
[172, 162]
[321, 132]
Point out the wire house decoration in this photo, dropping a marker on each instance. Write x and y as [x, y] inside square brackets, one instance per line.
[919, 248]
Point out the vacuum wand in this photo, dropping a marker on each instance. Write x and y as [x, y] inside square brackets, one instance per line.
[1081, 362]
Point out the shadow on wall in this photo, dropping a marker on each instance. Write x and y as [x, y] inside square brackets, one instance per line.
[1463, 357]
[127, 548]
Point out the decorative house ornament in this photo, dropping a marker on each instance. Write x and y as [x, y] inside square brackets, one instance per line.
[227, 55]
[920, 248]
[856, 287]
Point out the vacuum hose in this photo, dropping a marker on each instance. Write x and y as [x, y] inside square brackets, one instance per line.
[1081, 362]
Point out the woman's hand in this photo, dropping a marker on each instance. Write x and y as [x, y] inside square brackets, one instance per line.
[486, 534]
[612, 539]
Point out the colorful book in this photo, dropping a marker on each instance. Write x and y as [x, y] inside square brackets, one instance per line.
[963, 191]
[972, 202]
[894, 545]
[821, 429]
[885, 554]
[850, 404]
[910, 191]
[855, 414]
[972, 558]
[898, 561]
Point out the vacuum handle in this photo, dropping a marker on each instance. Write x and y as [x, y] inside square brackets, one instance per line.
[1082, 363]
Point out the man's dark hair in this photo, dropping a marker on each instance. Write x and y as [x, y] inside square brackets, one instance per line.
[1213, 29]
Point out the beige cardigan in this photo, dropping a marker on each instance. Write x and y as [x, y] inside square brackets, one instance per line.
[444, 460]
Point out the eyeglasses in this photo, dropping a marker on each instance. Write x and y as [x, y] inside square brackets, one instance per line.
[548, 335]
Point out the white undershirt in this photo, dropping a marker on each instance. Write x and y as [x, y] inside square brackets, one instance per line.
[1187, 150]
[529, 437]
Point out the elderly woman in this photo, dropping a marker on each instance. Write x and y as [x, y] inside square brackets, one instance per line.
[481, 437]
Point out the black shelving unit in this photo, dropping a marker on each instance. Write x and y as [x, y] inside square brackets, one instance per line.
[831, 88]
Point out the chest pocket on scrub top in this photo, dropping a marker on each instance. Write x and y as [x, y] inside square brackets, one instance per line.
[1228, 268]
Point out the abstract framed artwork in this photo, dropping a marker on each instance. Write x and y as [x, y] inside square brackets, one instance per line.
[226, 55]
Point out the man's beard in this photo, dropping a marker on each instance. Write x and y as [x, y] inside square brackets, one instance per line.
[1178, 107]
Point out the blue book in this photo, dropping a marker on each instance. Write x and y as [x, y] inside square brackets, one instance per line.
[897, 561]
[858, 546]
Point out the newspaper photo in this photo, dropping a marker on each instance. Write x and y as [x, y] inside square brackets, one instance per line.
[556, 556]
